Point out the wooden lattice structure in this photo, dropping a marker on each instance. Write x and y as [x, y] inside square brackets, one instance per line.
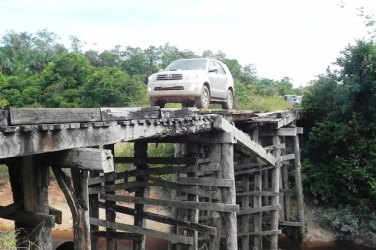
[233, 175]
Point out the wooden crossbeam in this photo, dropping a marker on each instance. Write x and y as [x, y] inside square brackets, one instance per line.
[168, 203]
[174, 238]
[258, 210]
[161, 218]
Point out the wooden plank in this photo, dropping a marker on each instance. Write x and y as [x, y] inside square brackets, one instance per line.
[259, 209]
[253, 170]
[116, 235]
[258, 193]
[144, 231]
[248, 144]
[263, 233]
[120, 186]
[290, 223]
[30, 218]
[110, 214]
[86, 158]
[161, 218]
[178, 113]
[154, 160]
[121, 114]
[168, 203]
[19, 116]
[288, 157]
[206, 181]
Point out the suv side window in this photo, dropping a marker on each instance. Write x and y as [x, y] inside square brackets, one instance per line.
[220, 68]
[212, 65]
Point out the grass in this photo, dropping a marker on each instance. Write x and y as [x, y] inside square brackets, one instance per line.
[8, 240]
[3, 173]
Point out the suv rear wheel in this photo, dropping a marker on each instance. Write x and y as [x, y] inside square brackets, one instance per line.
[229, 103]
[203, 100]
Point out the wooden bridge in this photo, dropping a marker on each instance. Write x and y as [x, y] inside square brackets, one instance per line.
[233, 174]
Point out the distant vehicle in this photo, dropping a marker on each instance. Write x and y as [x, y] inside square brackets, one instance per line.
[294, 99]
[192, 82]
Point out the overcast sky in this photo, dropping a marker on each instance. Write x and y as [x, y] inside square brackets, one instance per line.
[294, 38]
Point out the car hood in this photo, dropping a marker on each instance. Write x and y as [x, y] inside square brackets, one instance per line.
[184, 72]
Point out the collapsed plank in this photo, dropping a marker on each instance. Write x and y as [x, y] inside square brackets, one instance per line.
[247, 145]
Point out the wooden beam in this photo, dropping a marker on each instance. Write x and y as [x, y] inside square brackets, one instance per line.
[41, 141]
[244, 140]
[168, 203]
[161, 218]
[290, 223]
[86, 158]
[144, 231]
[259, 209]
[263, 233]
[154, 160]
[116, 235]
[205, 181]
[11, 212]
[123, 114]
[19, 116]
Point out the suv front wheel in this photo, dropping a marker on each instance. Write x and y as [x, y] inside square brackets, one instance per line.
[203, 100]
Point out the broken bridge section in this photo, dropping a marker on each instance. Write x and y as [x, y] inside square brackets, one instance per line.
[231, 175]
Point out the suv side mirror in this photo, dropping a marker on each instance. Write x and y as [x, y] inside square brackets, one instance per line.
[213, 69]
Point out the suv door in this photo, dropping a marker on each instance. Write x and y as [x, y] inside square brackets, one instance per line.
[214, 79]
[222, 81]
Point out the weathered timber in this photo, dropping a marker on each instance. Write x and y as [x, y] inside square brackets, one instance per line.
[12, 212]
[253, 170]
[245, 219]
[36, 142]
[257, 200]
[58, 214]
[160, 218]
[182, 204]
[298, 185]
[19, 116]
[86, 158]
[258, 193]
[154, 160]
[275, 200]
[144, 231]
[154, 171]
[288, 157]
[94, 212]
[115, 235]
[290, 223]
[288, 131]
[206, 181]
[121, 114]
[140, 152]
[35, 179]
[76, 194]
[263, 233]
[244, 140]
[110, 215]
[259, 209]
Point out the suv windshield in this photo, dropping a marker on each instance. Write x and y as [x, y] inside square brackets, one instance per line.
[194, 64]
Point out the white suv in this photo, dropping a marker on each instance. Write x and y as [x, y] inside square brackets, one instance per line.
[198, 82]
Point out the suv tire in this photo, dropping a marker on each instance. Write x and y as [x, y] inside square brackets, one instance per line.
[229, 103]
[203, 100]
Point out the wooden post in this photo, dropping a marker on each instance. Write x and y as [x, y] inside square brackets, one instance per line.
[174, 194]
[215, 157]
[94, 212]
[35, 190]
[298, 185]
[193, 150]
[110, 215]
[245, 218]
[257, 202]
[286, 186]
[140, 152]
[75, 190]
[229, 197]
[275, 199]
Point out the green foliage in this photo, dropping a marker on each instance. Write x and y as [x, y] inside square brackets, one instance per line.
[343, 220]
[8, 240]
[340, 150]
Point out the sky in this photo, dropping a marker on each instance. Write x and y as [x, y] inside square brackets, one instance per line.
[294, 38]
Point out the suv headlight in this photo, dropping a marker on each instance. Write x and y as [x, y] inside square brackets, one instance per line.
[152, 78]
